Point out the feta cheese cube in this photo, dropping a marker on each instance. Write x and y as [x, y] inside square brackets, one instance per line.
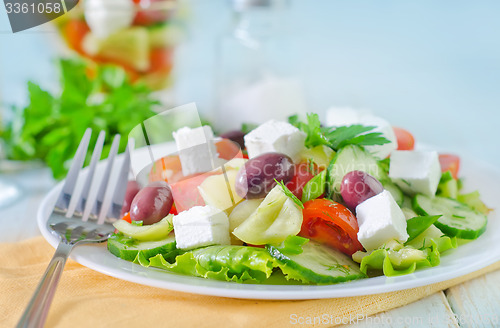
[105, 17]
[380, 219]
[196, 148]
[344, 116]
[201, 226]
[275, 136]
[416, 171]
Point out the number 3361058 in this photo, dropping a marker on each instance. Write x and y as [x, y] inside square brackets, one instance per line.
[40, 8]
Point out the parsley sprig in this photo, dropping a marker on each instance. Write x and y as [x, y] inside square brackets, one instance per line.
[49, 128]
[339, 137]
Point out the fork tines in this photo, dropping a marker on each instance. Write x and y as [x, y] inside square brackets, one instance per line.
[110, 194]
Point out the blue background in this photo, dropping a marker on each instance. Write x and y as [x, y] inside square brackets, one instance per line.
[430, 66]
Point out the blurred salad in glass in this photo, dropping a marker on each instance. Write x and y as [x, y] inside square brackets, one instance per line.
[138, 35]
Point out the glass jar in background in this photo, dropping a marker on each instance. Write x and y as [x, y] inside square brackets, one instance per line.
[139, 35]
[256, 78]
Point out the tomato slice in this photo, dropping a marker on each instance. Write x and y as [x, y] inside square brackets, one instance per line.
[303, 173]
[186, 193]
[332, 224]
[405, 139]
[450, 163]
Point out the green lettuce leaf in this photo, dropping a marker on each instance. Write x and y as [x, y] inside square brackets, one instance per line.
[226, 263]
[473, 200]
[230, 263]
[292, 245]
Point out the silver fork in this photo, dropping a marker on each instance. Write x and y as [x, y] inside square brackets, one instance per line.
[88, 223]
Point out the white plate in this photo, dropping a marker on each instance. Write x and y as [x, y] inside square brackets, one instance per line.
[463, 260]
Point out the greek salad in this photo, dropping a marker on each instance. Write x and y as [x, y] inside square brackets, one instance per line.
[309, 202]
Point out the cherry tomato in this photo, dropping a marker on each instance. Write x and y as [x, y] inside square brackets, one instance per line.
[450, 163]
[303, 173]
[75, 31]
[405, 139]
[332, 224]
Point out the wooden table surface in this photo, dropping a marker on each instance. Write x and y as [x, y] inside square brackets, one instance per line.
[475, 303]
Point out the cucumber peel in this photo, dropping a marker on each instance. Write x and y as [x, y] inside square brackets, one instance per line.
[127, 248]
[156, 231]
[316, 263]
[458, 220]
[347, 159]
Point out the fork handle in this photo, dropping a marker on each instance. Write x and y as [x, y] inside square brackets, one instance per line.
[38, 307]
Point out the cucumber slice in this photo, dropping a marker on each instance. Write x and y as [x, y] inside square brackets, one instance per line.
[396, 193]
[128, 248]
[318, 264]
[457, 219]
[156, 231]
[350, 158]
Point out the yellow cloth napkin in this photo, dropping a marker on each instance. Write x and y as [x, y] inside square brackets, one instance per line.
[86, 298]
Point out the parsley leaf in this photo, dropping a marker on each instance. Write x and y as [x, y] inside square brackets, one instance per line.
[289, 194]
[354, 135]
[336, 138]
[312, 128]
[49, 128]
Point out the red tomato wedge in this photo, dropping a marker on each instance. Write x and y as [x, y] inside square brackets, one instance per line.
[186, 194]
[169, 168]
[405, 139]
[332, 224]
[185, 188]
[302, 175]
[450, 163]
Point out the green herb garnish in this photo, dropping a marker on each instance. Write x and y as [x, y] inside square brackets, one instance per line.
[137, 223]
[247, 127]
[288, 193]
[339, 267]
[50, 127]
[339, 137]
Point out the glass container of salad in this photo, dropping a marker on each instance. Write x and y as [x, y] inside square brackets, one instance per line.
[138, 35]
